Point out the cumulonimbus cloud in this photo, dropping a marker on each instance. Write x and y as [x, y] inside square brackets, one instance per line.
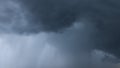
[101, 20]
[56, 15]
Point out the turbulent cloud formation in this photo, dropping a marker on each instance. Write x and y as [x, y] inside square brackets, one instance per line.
[73, 27]
[35, 51]
[58, 14]
[55, 15]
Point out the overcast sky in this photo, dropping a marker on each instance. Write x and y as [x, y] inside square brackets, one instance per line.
[26, 42]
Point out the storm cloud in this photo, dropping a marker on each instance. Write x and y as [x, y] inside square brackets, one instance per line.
[57, 15]
[75, 27]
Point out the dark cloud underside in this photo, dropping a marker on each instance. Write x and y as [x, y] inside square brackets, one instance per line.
[76, 26]
[55, 15]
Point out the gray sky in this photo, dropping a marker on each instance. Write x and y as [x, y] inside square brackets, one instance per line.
[57, 33]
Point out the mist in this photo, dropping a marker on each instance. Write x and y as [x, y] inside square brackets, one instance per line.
[36, 51]
[28, 52]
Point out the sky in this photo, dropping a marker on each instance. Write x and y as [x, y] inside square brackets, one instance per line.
[59, 33]
[37, 51]
[101, 18]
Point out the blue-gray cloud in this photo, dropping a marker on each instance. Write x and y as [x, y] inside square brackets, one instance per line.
[56, 15]
[79, 26]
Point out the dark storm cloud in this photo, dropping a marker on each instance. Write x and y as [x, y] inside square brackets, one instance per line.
[58, 14]
[99, 19]
[55, 15]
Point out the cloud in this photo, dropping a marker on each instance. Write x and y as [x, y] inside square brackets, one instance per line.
[57, 15]
[28, 52]
[34, 51]
[74, 27]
